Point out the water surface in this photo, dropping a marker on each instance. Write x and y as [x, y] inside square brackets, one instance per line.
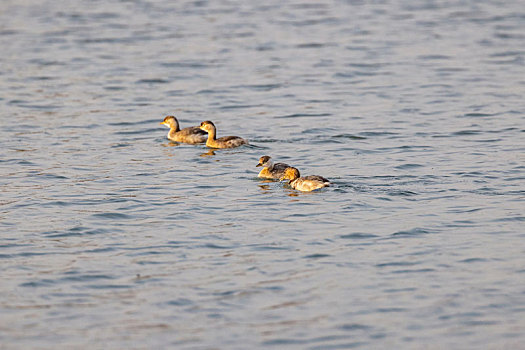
[114, 237]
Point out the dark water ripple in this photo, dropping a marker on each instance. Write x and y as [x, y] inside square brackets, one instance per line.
[114, 237]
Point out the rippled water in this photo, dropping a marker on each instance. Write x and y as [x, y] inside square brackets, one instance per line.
[113, 237]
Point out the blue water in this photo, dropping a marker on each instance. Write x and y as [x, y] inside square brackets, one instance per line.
[114, 237]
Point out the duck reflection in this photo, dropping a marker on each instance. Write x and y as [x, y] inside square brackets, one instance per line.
[208, 154]
[264, 187]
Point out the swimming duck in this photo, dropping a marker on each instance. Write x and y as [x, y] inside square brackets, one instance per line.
[193, 134]
[305, 184]
[270, 169]
[223, 142]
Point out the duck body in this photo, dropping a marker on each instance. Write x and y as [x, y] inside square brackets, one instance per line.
[270, 169]
[222, 142]
[192, 134]
[305, 183]
[309, 183]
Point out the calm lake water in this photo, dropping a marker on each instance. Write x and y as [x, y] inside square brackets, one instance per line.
[114, 237]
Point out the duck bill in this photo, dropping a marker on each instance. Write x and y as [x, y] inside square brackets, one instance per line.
[258, 165]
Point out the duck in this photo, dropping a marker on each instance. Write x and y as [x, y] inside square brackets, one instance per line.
[270, 169]
[222, 142]
[306, 183]
[193, 134]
